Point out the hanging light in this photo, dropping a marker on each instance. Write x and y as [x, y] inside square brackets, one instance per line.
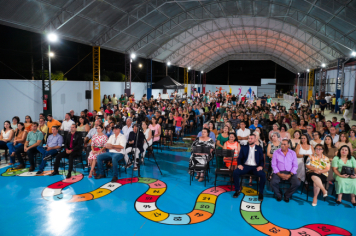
[51, 54]
[189, 68]
[133, 55]
[202, 72]
[308, 70]
[168, 63]
[353, 53]
[323, 65]
[52, 37]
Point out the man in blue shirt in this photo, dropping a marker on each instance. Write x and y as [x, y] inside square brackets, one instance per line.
[340, 102]
[54, 145]
[197, 113]
[150, 115]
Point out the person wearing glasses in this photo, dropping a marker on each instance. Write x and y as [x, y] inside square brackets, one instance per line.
[316, 139]
[318, 167]
[285, 166]
[343, 140]
[309, 133]
[97, 147]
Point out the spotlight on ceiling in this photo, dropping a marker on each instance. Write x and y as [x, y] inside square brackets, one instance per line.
[52, 37]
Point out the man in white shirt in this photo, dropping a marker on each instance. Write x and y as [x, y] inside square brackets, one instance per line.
[328, 100]
[127, 128]
[250, 161]
[116, 145]
[333, 134]
[243, 133]
[67, 123]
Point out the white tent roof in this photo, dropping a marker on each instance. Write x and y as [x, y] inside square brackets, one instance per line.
[297, 34]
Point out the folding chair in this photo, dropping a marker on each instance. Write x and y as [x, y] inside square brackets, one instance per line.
[199, 167]
[221, 169]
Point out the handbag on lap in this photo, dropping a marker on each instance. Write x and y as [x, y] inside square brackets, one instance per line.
[347, 170]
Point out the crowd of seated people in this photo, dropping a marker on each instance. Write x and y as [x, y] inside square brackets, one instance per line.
[260, 132]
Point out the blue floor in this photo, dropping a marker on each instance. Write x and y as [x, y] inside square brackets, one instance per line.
[25, 211]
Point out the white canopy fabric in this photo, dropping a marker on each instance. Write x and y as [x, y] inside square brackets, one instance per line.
[297, 34]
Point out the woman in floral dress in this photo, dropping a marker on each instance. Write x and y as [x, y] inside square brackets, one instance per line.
[97, 147]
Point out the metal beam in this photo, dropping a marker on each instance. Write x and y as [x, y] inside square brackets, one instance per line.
[96, 79]
[64, 16]
[252, 56]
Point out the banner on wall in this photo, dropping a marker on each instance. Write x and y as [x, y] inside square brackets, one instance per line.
[249, 91]
[311, 84]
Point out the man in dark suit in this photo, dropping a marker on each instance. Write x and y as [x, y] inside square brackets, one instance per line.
[131, 144]
[250, 161]
[73, 148]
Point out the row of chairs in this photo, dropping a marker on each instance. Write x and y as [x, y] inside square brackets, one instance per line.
[221, 169]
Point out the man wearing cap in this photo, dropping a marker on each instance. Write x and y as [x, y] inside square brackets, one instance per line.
[116, 145]
[52, 122]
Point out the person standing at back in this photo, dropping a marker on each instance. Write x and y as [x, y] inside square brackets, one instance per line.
[328, 101]
[340, 103]
[114, 100]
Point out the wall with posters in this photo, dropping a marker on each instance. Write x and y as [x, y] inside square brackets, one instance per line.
[233, 89]
[24, 97]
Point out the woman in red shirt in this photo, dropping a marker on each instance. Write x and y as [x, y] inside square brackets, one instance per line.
[177, 117]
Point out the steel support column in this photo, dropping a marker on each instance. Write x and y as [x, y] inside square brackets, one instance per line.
[127, 74]
[338, 82]
[311, 84]
[192, 81]
[46, 84]
[96, 78]
[199, 82]
[149, 78]
[204, 82]
[323, 82]
[186, 81]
